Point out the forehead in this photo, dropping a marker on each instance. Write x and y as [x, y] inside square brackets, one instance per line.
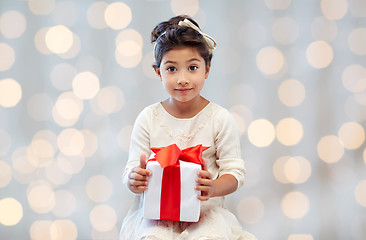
[182, 54]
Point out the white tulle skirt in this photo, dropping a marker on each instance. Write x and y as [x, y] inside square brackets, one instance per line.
[216, 222]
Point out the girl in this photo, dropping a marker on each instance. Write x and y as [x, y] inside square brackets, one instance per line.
[182, 61]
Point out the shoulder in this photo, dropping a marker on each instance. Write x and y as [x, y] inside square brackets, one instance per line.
[220, 113]
[149, 110]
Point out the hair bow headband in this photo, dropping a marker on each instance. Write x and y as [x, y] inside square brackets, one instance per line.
[211, 43]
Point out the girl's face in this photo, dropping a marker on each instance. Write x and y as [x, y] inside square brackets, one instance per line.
[183, 72]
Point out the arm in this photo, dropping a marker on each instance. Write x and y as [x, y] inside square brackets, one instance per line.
[231, 166]
[135, 175]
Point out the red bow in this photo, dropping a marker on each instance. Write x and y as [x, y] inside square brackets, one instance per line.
[168, 156]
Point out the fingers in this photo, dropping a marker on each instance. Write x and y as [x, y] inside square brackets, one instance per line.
[138, 179]
[143, 161]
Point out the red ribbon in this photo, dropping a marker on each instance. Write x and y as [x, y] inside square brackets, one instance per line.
[168, 158]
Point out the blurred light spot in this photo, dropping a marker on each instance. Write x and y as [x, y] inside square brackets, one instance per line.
[289, 131]
[61, 209]
[356, 41]
[103, 218]
[73, 50]
[67, 109]
[12, 24]
[360, 98]
[41, 7]
[352, 135]
[285, 30]
[300, 237]
[188, 7]
[250, 210]
[40, 230]
[109, 100]
[279, 169]
[5, 142]
[243, 93]
[5, 174]
[330, 149]
[324, 29]
[277, 4]
[358, 8]
[295, 205]
[118, 15]
[128, 54]
[43, 149]
[20, 161]
[360, 193]
[128, 48]
[130, 36]
[354, 78]
[295, 170]
[71, 142]
[124, 137]
[95, 15]
[63, 229]
[7, 57]
[334, 9]
[11, 211]
[59, 39]
[91, 143]
[85, 85]
[55, 175]
[99, 188]
[89, 64]
[65, 13]
[44, 144]
[291, 92]
[39, 107]
[270, 60]
[40, 41]
[70, 164]
[257, 34]
[62, 76]
[319, 54]
[41, 198]
[10, 92]
[261, 133]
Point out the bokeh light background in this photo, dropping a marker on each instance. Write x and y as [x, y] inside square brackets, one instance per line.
[75, 74]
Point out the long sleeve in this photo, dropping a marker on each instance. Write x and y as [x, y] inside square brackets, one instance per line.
[227, 142]
[140, 142]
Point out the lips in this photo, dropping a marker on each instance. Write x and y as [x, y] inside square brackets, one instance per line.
[183, 90]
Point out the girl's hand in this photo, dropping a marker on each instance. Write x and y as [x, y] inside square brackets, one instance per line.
[205, 184]
[139, 177]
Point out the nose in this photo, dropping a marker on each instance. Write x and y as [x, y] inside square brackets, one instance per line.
[183, 79]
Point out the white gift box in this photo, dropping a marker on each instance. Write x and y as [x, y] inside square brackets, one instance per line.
[170, 196]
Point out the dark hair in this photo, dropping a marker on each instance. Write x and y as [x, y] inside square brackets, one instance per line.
[169, 35]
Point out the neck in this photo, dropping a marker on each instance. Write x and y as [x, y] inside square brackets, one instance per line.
[185, 109]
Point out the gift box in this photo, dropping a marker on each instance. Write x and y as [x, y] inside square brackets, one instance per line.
[171, 194]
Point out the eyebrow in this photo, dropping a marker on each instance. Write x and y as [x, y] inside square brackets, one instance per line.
[173, 62]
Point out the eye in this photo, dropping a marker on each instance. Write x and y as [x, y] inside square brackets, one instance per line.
[171, 69]
[192, 68]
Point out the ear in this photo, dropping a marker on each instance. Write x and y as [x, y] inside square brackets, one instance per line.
[157, 70]
[208, 66]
